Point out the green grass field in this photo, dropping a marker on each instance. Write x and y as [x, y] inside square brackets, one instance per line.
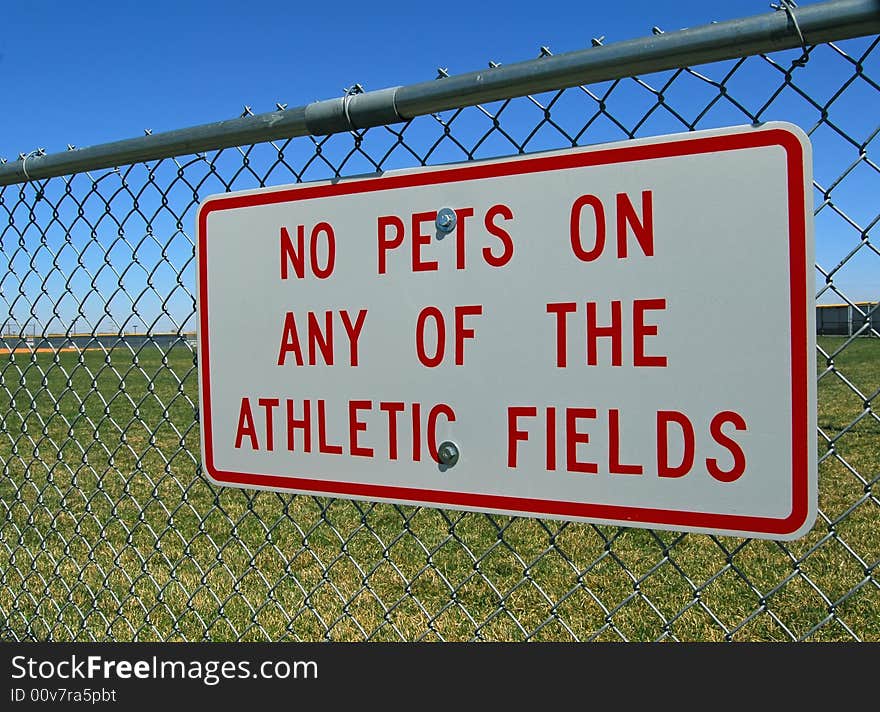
[107, 531]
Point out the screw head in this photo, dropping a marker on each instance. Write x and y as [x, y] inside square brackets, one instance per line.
[445, 221]
[447, 453]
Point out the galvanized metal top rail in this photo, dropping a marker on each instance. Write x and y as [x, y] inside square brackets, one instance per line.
[785, 28]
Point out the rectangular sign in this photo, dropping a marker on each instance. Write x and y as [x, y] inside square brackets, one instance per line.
[618, 334]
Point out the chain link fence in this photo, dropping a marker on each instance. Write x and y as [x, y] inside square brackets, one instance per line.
[109, 530]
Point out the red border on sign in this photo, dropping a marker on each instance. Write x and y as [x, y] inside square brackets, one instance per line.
[623, 154]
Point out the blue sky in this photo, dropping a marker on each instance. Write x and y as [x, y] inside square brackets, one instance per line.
[95, 71]
[92, 72]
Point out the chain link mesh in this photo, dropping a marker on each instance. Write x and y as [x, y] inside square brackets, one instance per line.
[109, 530]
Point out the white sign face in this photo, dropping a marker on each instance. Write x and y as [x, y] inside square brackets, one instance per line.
[617, 334]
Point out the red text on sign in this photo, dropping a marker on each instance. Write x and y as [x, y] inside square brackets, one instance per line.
[431, 350]
[270, 424]
[293, 254]
[393, 231]
[588, 224]
[674, 432]
[319, 340]
[612, 329]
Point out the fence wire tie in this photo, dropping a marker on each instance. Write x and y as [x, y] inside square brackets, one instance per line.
[346, 99]
[789, 6]
[24, 159]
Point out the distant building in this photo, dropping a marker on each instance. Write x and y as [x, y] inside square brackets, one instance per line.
[848, 319]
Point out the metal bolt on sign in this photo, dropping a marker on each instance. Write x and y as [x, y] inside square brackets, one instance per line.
[445, 221]
[448, 453]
